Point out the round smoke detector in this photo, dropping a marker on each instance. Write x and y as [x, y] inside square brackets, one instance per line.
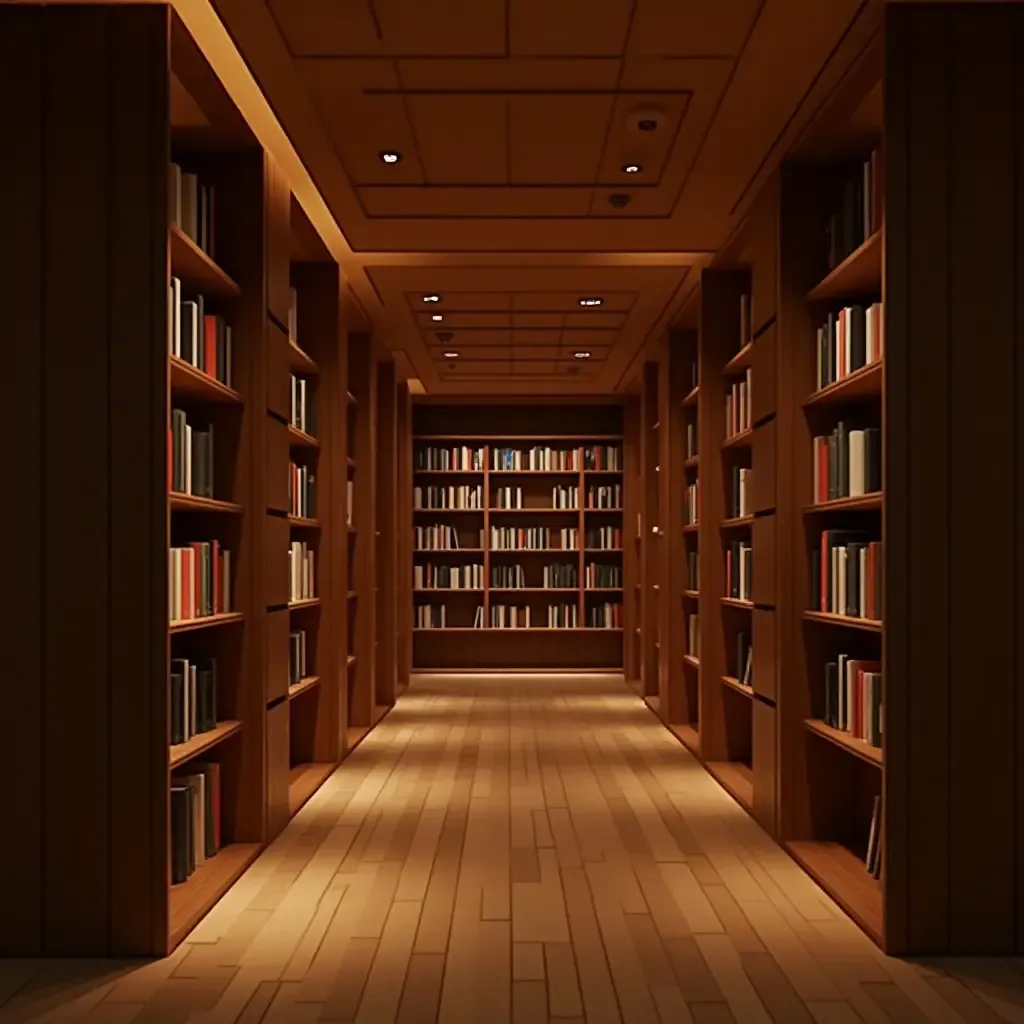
[645, 122]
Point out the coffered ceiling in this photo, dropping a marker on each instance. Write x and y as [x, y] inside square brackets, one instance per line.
[547, 151]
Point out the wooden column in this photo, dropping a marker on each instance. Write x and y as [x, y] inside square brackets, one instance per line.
[631, 540]
[403, 570]
[954, 507]
[649, 535]
[387, 534]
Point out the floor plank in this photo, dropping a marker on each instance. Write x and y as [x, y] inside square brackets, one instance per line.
[528, 848]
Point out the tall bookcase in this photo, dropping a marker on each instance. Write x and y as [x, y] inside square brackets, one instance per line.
[518, 544]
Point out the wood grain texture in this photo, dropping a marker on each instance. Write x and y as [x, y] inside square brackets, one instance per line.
[673, 906]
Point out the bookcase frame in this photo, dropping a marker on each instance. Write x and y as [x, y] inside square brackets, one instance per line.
[473, 647]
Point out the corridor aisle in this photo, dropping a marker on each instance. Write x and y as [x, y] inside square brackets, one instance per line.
[522, 849]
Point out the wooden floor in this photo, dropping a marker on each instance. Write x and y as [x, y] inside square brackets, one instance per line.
[538, 850]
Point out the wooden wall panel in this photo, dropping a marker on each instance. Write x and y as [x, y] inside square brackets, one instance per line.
[403, 573]
[631, 573]
[278, 198]
[22, 536]
[953, 354]
[82, 272]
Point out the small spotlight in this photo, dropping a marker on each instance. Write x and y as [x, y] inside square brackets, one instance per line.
[389, 156]
[631, 169]
[591, 302]
[437, 318]
[581, 355]
[451, 355]
[431, 298]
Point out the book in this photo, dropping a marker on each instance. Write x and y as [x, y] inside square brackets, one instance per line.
[193, 698]
[191, 463]
[847, 463]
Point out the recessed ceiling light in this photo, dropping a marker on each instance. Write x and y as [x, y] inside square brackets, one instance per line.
[437, 318]
[631, 168]
[451, 355]
[591, 302]
[431, 298]
[581, 355]
[390, 156]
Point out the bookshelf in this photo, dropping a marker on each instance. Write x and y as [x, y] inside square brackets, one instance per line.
[647, 535]
[505, 541]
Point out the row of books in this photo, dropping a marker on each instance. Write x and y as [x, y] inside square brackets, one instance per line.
[693, 635]
[439, 537]
[191, 207]
[876, 839]
[691, 439]
[691, 504]
[561, 574]
[298, 656]
[604, 538]
[199, 579]
[534, 538]
[605, 496]
[692, 570]
[563, 616]
[301, 491]
[859, 214]
[454, 496]
[508, 577]
[849, 340]
[461, 458]
[740, 493]
[199, 338]
[853, 698]
[301, 571]
[193, 698]
[847, 463]
[448, 577]
[433, 616]
[293, 317]
[607, 615]
[602, 457]
[195, 818]
[535, 459]
[739, 570]
[191, 457]
[602, 577]
[738, 414]
[302, 414]
[505, 616]
[744, 660]
[846, 575]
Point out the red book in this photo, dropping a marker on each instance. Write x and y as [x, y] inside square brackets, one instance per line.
[210, 342]
[822, 494]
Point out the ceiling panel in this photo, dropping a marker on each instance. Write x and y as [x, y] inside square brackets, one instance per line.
[442, 28]
[543, 28]
[315, 28]
[461, 138]
[678, 28]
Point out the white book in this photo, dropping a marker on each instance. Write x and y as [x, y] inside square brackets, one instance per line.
[856, 455]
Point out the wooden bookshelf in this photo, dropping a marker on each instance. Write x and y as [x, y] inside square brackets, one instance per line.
[470, 602]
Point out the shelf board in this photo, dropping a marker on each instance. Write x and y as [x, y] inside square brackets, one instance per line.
[351, 462]
[691, 528]
[200, 743]
[861, 502]
[841, 873]
[300, 439]
[736, 779]
[536, 590]
[533, 551]
[448, 551]
[450, 590]
[741, 440]
[534, 472]
[306, 602]
[692, 462]
[304, 780]
[187, 379]
[351, 398]
[302, 686]
[866, 752]
[691, 398]
[353, 594]
[517, 629]
[735, 602]
[689, 659]
[191, 264]
[741, 360]
[206, 622]
[589, 509]
[863, 383]
[179, 502]
[695, 594]
[858, 274]
[449, 511]
[300, 361]
[830, 618]
[538, 511]
[549, 440]
[190, 901]
[689, 737]
[602, 472]
[734, 684]
[351, 661]
[309, 524]
[602, 590]
[451, 472]
[600, 551]
[736, 522]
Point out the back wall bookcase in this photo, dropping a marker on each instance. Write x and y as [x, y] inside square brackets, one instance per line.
[517, 526]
